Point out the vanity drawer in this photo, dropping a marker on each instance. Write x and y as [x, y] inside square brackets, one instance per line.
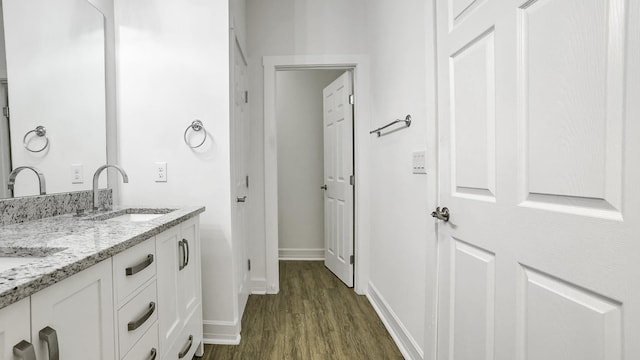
[147, 347]
[132, 268]
[136, 317]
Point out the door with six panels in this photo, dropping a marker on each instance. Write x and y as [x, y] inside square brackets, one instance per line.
[540, 167]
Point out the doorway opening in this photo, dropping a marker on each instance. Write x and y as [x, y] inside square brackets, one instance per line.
[275, 191]
[315, 163]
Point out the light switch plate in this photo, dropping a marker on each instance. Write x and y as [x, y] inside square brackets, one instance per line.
[160, 173]
[419, 162]
[77, 174]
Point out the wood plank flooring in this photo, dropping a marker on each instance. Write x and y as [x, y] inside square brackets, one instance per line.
[315, 316]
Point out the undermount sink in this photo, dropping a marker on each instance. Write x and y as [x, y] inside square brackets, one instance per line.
[12, 257]
[132, 214]
[135, 217]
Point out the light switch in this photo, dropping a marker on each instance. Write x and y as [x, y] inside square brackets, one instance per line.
[419, 162]
[77, 174]
[160, 174]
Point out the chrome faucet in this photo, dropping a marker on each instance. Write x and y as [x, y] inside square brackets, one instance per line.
[41, 182]
[96, 176]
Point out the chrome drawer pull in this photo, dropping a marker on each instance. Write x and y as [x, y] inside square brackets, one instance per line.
[137, 323]
[186, 244]
[24, 350]
[154, 352]
[186, 348]
[137, 268]
[50, 336]
[183, 260]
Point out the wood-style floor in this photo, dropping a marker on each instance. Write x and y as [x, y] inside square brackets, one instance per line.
[315, 316]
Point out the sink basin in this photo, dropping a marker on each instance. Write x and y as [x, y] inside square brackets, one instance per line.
[135, 217]
[12, 257]
[7, 263]
[132, 214]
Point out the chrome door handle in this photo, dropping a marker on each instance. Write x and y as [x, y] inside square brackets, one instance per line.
[50, 336]
[187, 253]
[323, 187]
[241, 199]
[24, 350]
[153, 354]
[186, 348]
[183, 261]
[441, 214]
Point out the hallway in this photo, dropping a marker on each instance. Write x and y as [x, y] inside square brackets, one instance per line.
[313, 317]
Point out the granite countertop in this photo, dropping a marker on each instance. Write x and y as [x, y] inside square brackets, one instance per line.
[68, 244]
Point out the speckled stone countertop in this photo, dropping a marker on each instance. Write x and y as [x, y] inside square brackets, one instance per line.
[68, 244]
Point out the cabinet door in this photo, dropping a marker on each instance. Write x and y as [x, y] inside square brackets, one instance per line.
[14, 327]
[167, 279]
[189, 287]
[80, 310]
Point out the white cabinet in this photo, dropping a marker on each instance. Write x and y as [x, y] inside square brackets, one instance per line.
[78, 315]
[179, 290]
[14, 329]
[145, 302]
[134, 275]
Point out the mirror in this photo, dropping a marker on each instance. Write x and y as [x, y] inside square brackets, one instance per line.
[52, 74]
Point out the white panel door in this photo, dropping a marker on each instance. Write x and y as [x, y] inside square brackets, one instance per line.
[5, 142]
[338, 168]
[539, 166]
[240, 131]
[15, 327]
[80, 310]
[171, 256]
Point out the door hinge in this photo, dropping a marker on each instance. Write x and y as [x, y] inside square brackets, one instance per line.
[246, 97]
[352, 259]
[5, 111]
[352, 180]
[249, 264]
[246, 180]
[351, 99]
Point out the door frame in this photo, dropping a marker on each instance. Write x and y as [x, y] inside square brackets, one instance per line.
[359, 64]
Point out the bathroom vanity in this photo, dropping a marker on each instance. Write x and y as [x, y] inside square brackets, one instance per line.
[122, 284]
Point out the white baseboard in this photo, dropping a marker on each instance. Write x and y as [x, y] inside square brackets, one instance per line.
[258, 286]
[221, 332]
[406, 343]
[300, 254]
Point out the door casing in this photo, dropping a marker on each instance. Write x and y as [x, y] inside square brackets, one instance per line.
[360, 66]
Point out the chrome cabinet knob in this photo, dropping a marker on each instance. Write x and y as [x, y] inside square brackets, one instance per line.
[441, 214]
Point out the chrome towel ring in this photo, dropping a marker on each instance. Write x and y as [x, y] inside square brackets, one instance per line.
[196, 125]
[40, 131]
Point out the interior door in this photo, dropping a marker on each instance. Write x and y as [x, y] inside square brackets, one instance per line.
[5, 141]
[539, 155]
[338, 169]
[240, 173]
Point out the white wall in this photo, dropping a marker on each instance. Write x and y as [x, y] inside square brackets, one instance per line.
[299, 113]
[3, 57]
[398, 38]
[56, 75]
[173, 67]
[289, 27]
[402, 232]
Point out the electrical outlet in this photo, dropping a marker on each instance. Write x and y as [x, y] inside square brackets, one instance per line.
[77, 174]
[160, 173]
[419, 162]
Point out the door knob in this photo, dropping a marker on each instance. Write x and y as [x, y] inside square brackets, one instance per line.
[241, 199]
[441, 214]
[323, 187]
